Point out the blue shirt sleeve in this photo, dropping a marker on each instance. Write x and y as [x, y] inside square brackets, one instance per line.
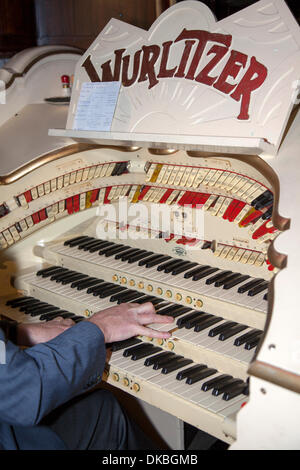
[37, 380]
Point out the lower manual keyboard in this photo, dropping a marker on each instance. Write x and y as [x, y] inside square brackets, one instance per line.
[199, 394]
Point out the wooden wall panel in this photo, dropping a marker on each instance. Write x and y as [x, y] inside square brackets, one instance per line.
[78, 22]
[17, 26]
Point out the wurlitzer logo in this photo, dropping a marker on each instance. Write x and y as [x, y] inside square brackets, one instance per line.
[151, 63]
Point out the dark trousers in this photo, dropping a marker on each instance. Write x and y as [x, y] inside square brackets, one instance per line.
[94, 421]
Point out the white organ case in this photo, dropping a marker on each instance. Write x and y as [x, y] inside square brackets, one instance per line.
[206, 121]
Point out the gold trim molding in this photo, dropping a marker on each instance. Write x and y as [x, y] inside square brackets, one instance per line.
[56, 155]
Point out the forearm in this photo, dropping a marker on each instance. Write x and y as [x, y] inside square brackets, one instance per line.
[37, 380]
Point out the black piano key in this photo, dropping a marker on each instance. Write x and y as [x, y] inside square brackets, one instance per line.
[162, 362]
[232, 332]
[266, 296]
[115, 169]
[140, 347]
[23, 307]
[139, 256]
[200, 375]
[195, 321]
[112, 249]
[254, 282]
[143, 261]
[150, 298]
[42, 310]
[178, 264]
[174, 310]
[155, 261]
[195, 271]
[47, 271]
[203, 274]
[128, 253]
[113, 290]
[124, 297]
[168, 266]
[51, 314]
[252, 343]
[157, 358]
[180, 311]
[86, 244]
[118, 345]
[223, 378]
[230, 277]
[75, 241]
[74, 277]
[80, 285]
[57, 270]
[218, 277]
[60, 275]
[246, 337]
[202, 325]
[176, 364]
[33, 306]
[183, 374]
[98, 288]
[98, 245]
[147, 352]
[184, 267]
[19, 301]
[219, 389]
[105, 247]
[237, 390]
[221, 328]
[256, 290]
[121, 168]
[189, 316]
[235, 282]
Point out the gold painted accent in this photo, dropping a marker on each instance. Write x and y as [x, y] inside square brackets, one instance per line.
[105, 375]
[159, 291]
[136, 387]
[126, 382]
[188, 299]
[56, 155]
[115, 377]
[123, 280]
[149, 288]
[87, 313]
[136, 194]
[199, 303]
[162, 151]
[141, 285]
[88, 203]
[171, 345]
[275, 375]
[115, 277]
[169, 293]
[178, 296]
[132, 282]
[156, 172]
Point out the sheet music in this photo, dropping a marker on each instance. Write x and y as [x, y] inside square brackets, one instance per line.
[96, 106]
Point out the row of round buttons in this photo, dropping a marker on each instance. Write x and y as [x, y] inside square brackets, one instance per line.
[168, 293]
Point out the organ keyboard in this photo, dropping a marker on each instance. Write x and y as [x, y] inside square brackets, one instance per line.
[194, 228]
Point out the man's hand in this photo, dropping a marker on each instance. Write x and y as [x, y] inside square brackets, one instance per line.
[29, 334]
[127, 320]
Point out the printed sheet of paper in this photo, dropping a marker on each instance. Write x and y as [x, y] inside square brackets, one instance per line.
[96, 106]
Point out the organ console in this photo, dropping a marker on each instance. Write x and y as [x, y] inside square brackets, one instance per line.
[189, 202]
